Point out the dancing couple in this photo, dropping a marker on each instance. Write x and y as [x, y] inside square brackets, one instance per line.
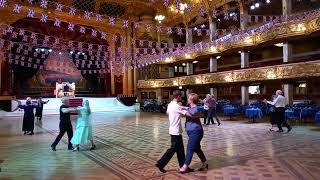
[194, 131]
[278, 116]
[83, 132]
[210, 110]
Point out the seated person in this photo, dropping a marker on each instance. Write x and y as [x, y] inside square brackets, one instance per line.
[66, 89]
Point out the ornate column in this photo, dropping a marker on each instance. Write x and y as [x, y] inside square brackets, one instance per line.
[125, 81]
[130, 78]
[286, 7]
[214, 91]
[171, 71]
[243, 14]
[244, 59]
[112, 71]
[135, 81]
[189, 68]
[0, 76]
[213, 68]
[244, 89]
[287, 52]
[188, 35]
[288, 93]
[213, 64]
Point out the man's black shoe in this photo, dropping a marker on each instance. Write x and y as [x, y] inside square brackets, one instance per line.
[160, 168]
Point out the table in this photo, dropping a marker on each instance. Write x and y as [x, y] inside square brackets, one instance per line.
[306, 112]
[254, 113]
[289, 114]
[317, 117]
[229, 111]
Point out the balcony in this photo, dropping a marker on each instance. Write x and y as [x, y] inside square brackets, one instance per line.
[283, 71]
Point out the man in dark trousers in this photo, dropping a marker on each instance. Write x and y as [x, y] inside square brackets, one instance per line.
[280, 102]
[174, 112]
[39, 109]
[64, 125]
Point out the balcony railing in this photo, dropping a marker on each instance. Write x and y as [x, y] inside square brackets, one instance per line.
[283, 71]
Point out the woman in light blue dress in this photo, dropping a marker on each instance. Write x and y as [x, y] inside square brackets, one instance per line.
[83, 132]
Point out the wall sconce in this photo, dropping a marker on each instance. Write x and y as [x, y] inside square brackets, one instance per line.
[213, 49]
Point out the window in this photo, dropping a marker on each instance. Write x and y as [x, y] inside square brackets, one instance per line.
[254, 89]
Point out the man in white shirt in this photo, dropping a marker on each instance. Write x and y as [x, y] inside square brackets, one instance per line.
[280, 102]
[174, 111]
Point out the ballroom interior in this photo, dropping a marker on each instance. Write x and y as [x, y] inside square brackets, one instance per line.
[128, 57]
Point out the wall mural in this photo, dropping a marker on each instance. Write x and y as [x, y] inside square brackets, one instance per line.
[57, 68]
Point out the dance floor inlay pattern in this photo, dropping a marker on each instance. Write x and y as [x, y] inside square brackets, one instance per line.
[128, 145]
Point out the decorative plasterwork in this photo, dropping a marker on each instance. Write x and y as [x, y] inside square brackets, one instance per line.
[285, 71]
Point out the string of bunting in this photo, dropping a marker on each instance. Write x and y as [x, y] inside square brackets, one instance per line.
[24, 48]
[56, 43]
[18, 60]
[45, 40]
[44, 17]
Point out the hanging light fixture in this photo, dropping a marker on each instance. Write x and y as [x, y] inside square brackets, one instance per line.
[159, 18]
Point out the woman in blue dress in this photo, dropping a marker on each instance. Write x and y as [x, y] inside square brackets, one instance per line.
[83, 132]
[28, 116]
[195, 132]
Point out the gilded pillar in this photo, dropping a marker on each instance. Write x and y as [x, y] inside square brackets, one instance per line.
[286, 7]
[243, 14]
[213, 68]
[288, 93]
[125, 81]
[135, 81]
[0, 76]
[244, 59]
[213, 64]
[287, 52]
[130, 81]
[244, 89]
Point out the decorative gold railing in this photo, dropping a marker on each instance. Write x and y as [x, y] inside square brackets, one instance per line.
[285, 71]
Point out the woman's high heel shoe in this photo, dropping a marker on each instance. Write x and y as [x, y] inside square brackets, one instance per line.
[76, 149]
[203, 168]
[93, 147]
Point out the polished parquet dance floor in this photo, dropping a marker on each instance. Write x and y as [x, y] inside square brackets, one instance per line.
[128, 144]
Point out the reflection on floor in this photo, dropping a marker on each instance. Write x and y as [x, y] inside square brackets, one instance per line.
[129, 144]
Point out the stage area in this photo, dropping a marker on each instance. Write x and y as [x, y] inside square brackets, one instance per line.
[128, 144]
[110, 104]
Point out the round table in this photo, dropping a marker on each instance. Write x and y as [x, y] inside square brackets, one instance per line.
[317, 117]
[289, 114]
[254, 113]
[229, 111]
